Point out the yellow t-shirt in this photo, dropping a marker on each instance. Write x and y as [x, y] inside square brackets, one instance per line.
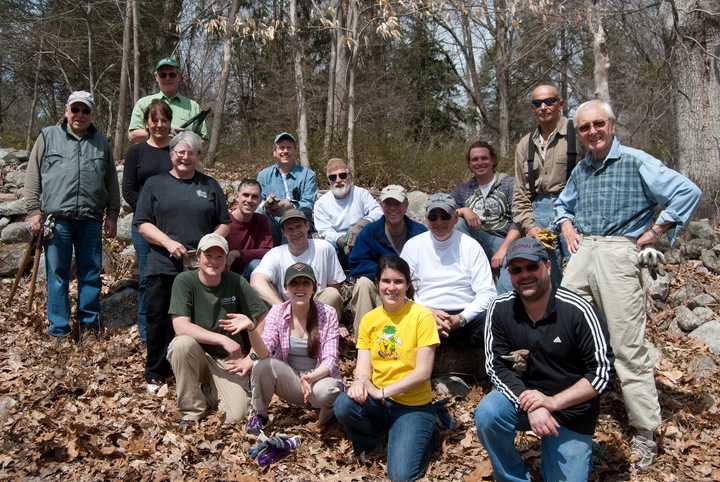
[393, 340]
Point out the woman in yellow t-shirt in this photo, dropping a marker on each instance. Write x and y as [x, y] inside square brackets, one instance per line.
[391, 391]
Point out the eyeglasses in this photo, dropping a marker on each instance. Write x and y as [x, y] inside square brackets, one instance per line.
[84, 110]
[162, 75]
[530, 268]
[536, 103]
[597, 124]
[334, 177]
[443, 215]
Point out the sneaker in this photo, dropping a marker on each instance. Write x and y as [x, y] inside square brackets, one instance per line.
[153, 386]
[274, 453]
[256, 424]
[184, 425]
[643, 452]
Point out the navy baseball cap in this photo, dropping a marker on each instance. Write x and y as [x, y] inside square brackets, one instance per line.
[527, 248]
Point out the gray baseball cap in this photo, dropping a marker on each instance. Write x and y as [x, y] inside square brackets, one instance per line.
[284, 136]
[527, 248]
[82, 97]
[441, 200]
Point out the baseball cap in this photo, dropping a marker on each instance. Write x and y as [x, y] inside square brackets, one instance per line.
[393, 191]
[441, 200]
[299, 270]
[283, 136]
[292, 214]
[167, 62]
[82, 97]
[213, 240]
[526, 248]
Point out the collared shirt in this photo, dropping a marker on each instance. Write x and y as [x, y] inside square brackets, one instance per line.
[549, 166]
[276, 334]
[183, 109]
[619, 195]
[300, 181]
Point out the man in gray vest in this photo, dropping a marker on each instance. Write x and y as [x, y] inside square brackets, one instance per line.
[71, 176]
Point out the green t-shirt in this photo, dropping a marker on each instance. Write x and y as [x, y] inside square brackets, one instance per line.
[207, 305]
[183, 109]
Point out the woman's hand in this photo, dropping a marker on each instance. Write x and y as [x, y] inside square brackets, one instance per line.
[358, 391]
[373, 391]
[470, 217]
[235, 323]
[306, 386]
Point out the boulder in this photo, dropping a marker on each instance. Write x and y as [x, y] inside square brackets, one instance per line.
[674, 256]
[4, 222]
[15, 233]
[16, 177]
[22, 155]
[13, 208]
[702, 270]
[416, 206]
[7, 155]
[702, 367]
[704, 313]
[686, 319]
[701, 229]
[128, 252]
[709, 333]
[659, 288]
[10, 257]
[679, 296]
[710, 260]
[119, 309]
[701, 300]
[450, 386]
[693, 249]
[124, 228]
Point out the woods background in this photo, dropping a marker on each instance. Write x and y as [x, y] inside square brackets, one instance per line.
[397, 87]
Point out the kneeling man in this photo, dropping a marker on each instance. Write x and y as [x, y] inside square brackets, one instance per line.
[548, 357]
[206, 351]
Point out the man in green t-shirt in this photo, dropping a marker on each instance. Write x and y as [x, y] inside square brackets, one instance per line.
[168, 78]
[210, 308]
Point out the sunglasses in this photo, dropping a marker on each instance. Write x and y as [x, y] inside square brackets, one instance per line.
[530, 268]
[162, 75]
[84, 110]
[536, 103]
[443, 215]
[598, 124]
[334, 177]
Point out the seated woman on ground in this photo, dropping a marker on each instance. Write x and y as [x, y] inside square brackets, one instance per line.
[391, 392]
[297, 352]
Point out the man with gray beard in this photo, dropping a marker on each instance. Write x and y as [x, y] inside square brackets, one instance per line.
[342, 212]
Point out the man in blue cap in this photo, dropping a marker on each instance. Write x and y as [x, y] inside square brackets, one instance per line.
[168, 78]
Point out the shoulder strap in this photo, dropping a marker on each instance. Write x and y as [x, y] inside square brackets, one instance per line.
[571, 148]
[530, 162]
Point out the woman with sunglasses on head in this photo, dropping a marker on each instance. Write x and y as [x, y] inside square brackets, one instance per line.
[143, 161]
[297, 352]
[391, 392]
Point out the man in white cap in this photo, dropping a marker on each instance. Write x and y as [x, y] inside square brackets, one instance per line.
[210, 309]
[71, 176]
[168, 78]
[384, 237]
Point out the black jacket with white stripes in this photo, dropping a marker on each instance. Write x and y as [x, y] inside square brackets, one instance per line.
[570, 342]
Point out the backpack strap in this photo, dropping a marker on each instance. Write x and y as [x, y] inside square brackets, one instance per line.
[530, 162]
[571, 148]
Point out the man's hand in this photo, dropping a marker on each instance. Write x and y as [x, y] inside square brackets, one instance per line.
[358, 391]
[649, 237]
[499, 257]
[531, 400]
[231, 347]
[543, 423]
[571, 236]
[442, 320]
[235, 323]
[470, 217]
[34, 222]
[176, 250]
[534, 232]
[110, 226]
[241, 366]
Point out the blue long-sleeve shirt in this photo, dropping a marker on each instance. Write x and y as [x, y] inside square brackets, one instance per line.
[301, 185]
[619, 195]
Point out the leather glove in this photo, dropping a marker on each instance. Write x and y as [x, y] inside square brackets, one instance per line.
[518, 359]
[651, 259]
[547, 238]
[342, 241]
[353, 234]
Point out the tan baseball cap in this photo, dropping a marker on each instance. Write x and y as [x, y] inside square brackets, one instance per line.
[213, 240]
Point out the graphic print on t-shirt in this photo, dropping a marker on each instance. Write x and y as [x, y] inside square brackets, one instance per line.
[387, 343]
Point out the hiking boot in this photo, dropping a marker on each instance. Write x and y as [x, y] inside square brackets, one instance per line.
[273, 453]
[643, 452]
[256, 424]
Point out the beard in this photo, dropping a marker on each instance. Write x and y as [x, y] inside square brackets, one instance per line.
[341, 192]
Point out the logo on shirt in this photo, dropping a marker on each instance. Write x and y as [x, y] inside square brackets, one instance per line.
[228, 301]
[201, 193]
[387, 343]
[557, 340]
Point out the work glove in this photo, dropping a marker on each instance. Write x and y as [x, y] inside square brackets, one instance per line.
[547, 239]
[651, 259]
[518, 359]
[353, 234]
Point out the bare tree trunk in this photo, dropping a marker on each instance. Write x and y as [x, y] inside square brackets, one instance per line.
[330, 108]
[475, 90]
[600, 53]
[502, 60]
[692, 29]
[353, 14]
[222, 84]
[91, 77]
[136, 52]
[302, 129]
[119, 137]
[33, 104]
[564, 66]
[342, 62]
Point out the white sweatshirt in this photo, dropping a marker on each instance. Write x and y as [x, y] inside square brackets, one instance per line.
[333, 217]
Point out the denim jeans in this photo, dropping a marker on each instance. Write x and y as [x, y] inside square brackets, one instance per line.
[142, 249]
[252, 264]
[544, 211]
[566, 457]
[411, 432]
[490, 243]
[85, 237]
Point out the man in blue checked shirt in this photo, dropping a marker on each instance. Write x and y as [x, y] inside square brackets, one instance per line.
[606, 214]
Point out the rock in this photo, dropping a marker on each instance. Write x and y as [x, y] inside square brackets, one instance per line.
[7, 155]
[663, 244]
[10, 257]
[13, 208]
[693, 248]
[701, 300]
[22, 155]
[124, 228]
[16, 233]
[659, 288]
[674, 256]
[16, 177]
[128, 252]
[710, 260]
[655, 355]
[709, 333]
[701, 229]
[4, 222]
[702, 367]
[678, 297]
[416, 206]
[7, 406]
[702, 270]
[119, 309]
[716, 249]
[704, 313]
[451, 386]
[686, 319]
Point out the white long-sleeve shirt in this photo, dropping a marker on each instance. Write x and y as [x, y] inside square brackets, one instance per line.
[451, 275]
[333, 217]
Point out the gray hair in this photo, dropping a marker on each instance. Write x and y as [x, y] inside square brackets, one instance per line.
[189, 138]
[596, 102]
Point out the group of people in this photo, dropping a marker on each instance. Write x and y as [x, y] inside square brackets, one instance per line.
[240, 305]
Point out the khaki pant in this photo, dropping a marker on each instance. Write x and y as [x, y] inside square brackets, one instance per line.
[605, 270]
[272, 376]
[193, 368]
[365, 297]
[331, 297]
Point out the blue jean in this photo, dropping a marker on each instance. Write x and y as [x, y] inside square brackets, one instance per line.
[411, 432]
[566, 457]
[142, 249]
[490, 243]
[544, 212]
[85, 237]
[252, 264]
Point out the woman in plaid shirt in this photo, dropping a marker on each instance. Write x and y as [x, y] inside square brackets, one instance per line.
[297, 355]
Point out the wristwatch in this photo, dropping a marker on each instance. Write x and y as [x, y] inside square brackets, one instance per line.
[253, 356]
[462, 321]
